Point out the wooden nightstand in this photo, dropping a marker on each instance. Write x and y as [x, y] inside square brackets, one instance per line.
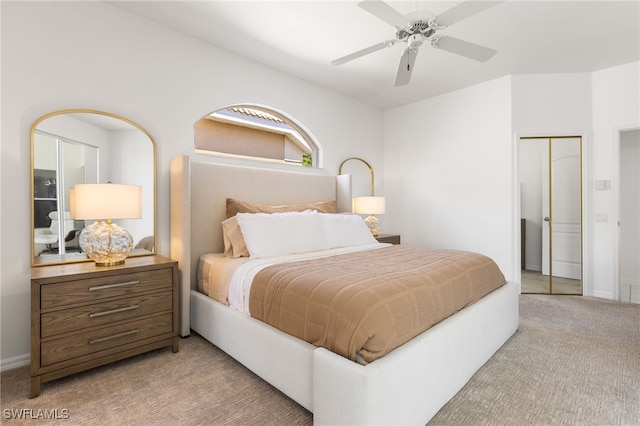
[84, 316]
[388, 238]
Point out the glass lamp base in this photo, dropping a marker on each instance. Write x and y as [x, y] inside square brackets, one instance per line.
[372, 223]
[106, 243]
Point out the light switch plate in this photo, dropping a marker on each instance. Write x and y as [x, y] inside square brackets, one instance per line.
[603, 184]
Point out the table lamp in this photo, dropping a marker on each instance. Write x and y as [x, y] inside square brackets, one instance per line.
[105, 242]
[371, 206]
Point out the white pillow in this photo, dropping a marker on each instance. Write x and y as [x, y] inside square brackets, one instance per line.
[277, 234]
[345, 230]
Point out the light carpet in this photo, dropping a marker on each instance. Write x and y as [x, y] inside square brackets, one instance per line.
[573, 361]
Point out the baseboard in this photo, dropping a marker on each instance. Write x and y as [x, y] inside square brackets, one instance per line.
[601, 295]
[629, 290]
[15, 362]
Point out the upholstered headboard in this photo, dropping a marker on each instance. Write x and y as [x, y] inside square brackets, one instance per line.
[198, 206]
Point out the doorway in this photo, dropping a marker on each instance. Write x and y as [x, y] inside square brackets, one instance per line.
[551, 214]
[58, 165]
[629, 216]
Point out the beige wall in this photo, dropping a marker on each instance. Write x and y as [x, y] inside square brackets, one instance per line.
[215, 136]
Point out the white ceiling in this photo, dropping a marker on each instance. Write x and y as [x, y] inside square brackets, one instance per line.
[302, 37]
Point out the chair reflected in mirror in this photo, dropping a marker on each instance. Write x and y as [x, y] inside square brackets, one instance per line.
[48, 237]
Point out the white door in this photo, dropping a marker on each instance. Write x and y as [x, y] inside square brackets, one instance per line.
[551, 206]
[561, 209]
[566, 211]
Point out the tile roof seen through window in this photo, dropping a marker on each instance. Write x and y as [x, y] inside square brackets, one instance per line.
[255, 113]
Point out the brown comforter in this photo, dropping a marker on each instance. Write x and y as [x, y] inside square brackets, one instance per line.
[363, 305]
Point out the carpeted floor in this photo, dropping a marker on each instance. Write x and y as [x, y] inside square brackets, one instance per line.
[573, 361]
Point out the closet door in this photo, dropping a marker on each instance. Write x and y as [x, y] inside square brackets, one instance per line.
[551, 204]
[59, 164]
[566, 213]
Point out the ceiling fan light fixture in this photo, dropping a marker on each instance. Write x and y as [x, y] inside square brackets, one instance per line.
[414, 41]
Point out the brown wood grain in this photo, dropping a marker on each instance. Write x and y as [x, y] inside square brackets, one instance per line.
[74, 328]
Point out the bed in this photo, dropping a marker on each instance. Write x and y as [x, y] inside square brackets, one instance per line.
[408, 385]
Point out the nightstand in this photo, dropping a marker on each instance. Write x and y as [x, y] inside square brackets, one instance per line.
[84, 316]
[388, 238]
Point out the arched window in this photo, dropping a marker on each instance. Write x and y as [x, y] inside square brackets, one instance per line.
[252, 131]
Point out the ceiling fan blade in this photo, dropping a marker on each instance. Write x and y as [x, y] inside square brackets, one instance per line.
[385, 12]
[463, 48]
[364, 52]
[463, 11]
[406, 67]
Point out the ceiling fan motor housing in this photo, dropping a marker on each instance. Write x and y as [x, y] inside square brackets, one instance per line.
[420, 27]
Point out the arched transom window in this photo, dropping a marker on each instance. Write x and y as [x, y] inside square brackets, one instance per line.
[255, 132]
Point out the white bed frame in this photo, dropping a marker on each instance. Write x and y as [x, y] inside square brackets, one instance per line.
[407, 386]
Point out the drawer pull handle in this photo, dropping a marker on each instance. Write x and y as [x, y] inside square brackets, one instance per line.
[104, 287]
[113, 311]
[115, 336]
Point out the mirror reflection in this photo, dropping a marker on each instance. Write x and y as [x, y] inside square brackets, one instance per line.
[74, 147]
[361, 184]
[551, 206]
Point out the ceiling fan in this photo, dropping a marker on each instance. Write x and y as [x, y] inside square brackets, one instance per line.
[419, 27]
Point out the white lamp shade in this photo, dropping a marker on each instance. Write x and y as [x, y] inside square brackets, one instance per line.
[369, 205]
[102, 201]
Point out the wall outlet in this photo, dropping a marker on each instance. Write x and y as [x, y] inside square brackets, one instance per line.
[602, 217]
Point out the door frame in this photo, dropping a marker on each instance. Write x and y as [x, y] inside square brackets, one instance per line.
[584, 197]
[616, 196]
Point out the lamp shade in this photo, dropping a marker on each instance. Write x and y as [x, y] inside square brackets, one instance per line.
[106, 201]
[369, 205]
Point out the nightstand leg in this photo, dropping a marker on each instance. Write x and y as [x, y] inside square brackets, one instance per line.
[175, 345]
[35, 386]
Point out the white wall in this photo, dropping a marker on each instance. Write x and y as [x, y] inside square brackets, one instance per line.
[616, 105]
[448, 166]
[127, 147]
[60, 55]
[552, 104]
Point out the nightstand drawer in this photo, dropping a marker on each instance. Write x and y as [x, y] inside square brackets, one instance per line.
[104, 338]
[92, 289]
[63, 321]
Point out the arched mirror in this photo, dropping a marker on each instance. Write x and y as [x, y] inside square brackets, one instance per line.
[72, 147]
[363, 180]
